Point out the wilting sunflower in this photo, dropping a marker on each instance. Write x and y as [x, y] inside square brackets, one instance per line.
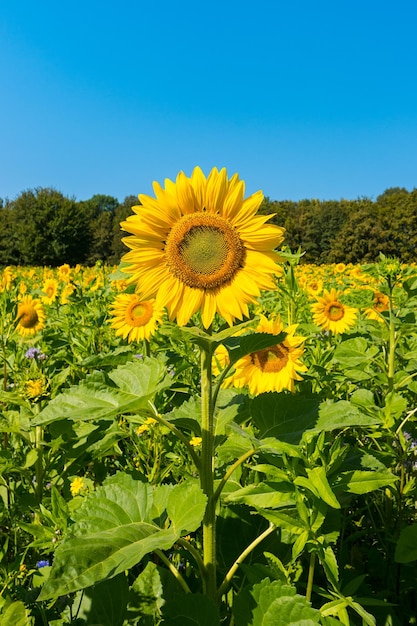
[134, 318]
[331, 314]
[30, 316]
[270, 369]
[200, 246]
[380, 304]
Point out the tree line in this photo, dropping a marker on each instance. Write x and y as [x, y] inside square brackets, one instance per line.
[44, 227]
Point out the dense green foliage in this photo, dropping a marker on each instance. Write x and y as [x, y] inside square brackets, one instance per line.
[351, 231]
[43, 227]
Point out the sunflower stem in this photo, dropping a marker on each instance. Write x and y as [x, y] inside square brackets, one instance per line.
[228, 578]
[391, 344]
[311, 568]
[207, 474]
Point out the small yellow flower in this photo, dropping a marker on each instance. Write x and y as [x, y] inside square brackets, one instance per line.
[195, 441]
[145, 426]
[77, 485]
[35, 388]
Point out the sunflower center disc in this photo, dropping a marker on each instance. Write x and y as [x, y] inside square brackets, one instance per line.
[272, 359]
[28, 317]
[335, 311]
[138, 313]
[380, 303]
[204, 251]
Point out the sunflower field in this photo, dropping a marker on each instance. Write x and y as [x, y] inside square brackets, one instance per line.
[211, 432]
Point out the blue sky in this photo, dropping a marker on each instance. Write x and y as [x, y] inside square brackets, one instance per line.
[303, 99]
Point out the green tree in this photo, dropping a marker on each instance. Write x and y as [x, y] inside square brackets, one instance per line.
[121, 213]
[50, 229]
[99, 211]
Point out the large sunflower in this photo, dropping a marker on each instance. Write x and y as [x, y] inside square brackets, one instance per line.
[30, 316]
[200, 246]
[331, 314]
[133, 318]
[271, 369]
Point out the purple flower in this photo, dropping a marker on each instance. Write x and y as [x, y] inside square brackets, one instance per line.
[32, 353]
[35, 354]
[42, 563]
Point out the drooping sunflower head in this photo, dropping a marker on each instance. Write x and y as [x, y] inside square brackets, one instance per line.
[30, 316]
[380, 304]
[200, 246]
[133, 318]
[274, 368]
[331, 314]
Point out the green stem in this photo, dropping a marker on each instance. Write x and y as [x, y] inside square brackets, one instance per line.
[227, 579]
[207, 473]
[195, 553]
[230, 471]
[39, 462]
[391, 345]
[173, 571]
[176, 432]
[310, 576]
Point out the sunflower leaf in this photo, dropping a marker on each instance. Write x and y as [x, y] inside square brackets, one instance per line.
[134, 385]
[116, 526]
[238, 347]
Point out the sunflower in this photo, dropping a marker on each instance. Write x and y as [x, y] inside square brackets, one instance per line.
[271, 369]
[50, 289]
[30, 316]
[134, 318]
[199, 246]
[331, 314]
[6, 279]
[64, 272]
[314, 286]
[36, 388]
[380, 304]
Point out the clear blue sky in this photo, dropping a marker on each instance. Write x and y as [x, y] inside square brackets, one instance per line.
[304, 99]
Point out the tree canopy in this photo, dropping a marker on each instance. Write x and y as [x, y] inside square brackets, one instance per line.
[44, 227]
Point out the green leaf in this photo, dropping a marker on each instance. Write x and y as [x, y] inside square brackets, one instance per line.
[264, 495]
[284, 520]
[273, 604]
[360, 482]
[190, 610]
[105, 603]
[113, 530]
[284, 416]
[16, 614]
[354, 352]
[406, 548]
[238, 347]
[318, 480]
[137, 383]
[343, 414]
[146, 593]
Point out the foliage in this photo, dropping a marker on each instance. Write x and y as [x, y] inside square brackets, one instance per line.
[42, 226]
[109, 497]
